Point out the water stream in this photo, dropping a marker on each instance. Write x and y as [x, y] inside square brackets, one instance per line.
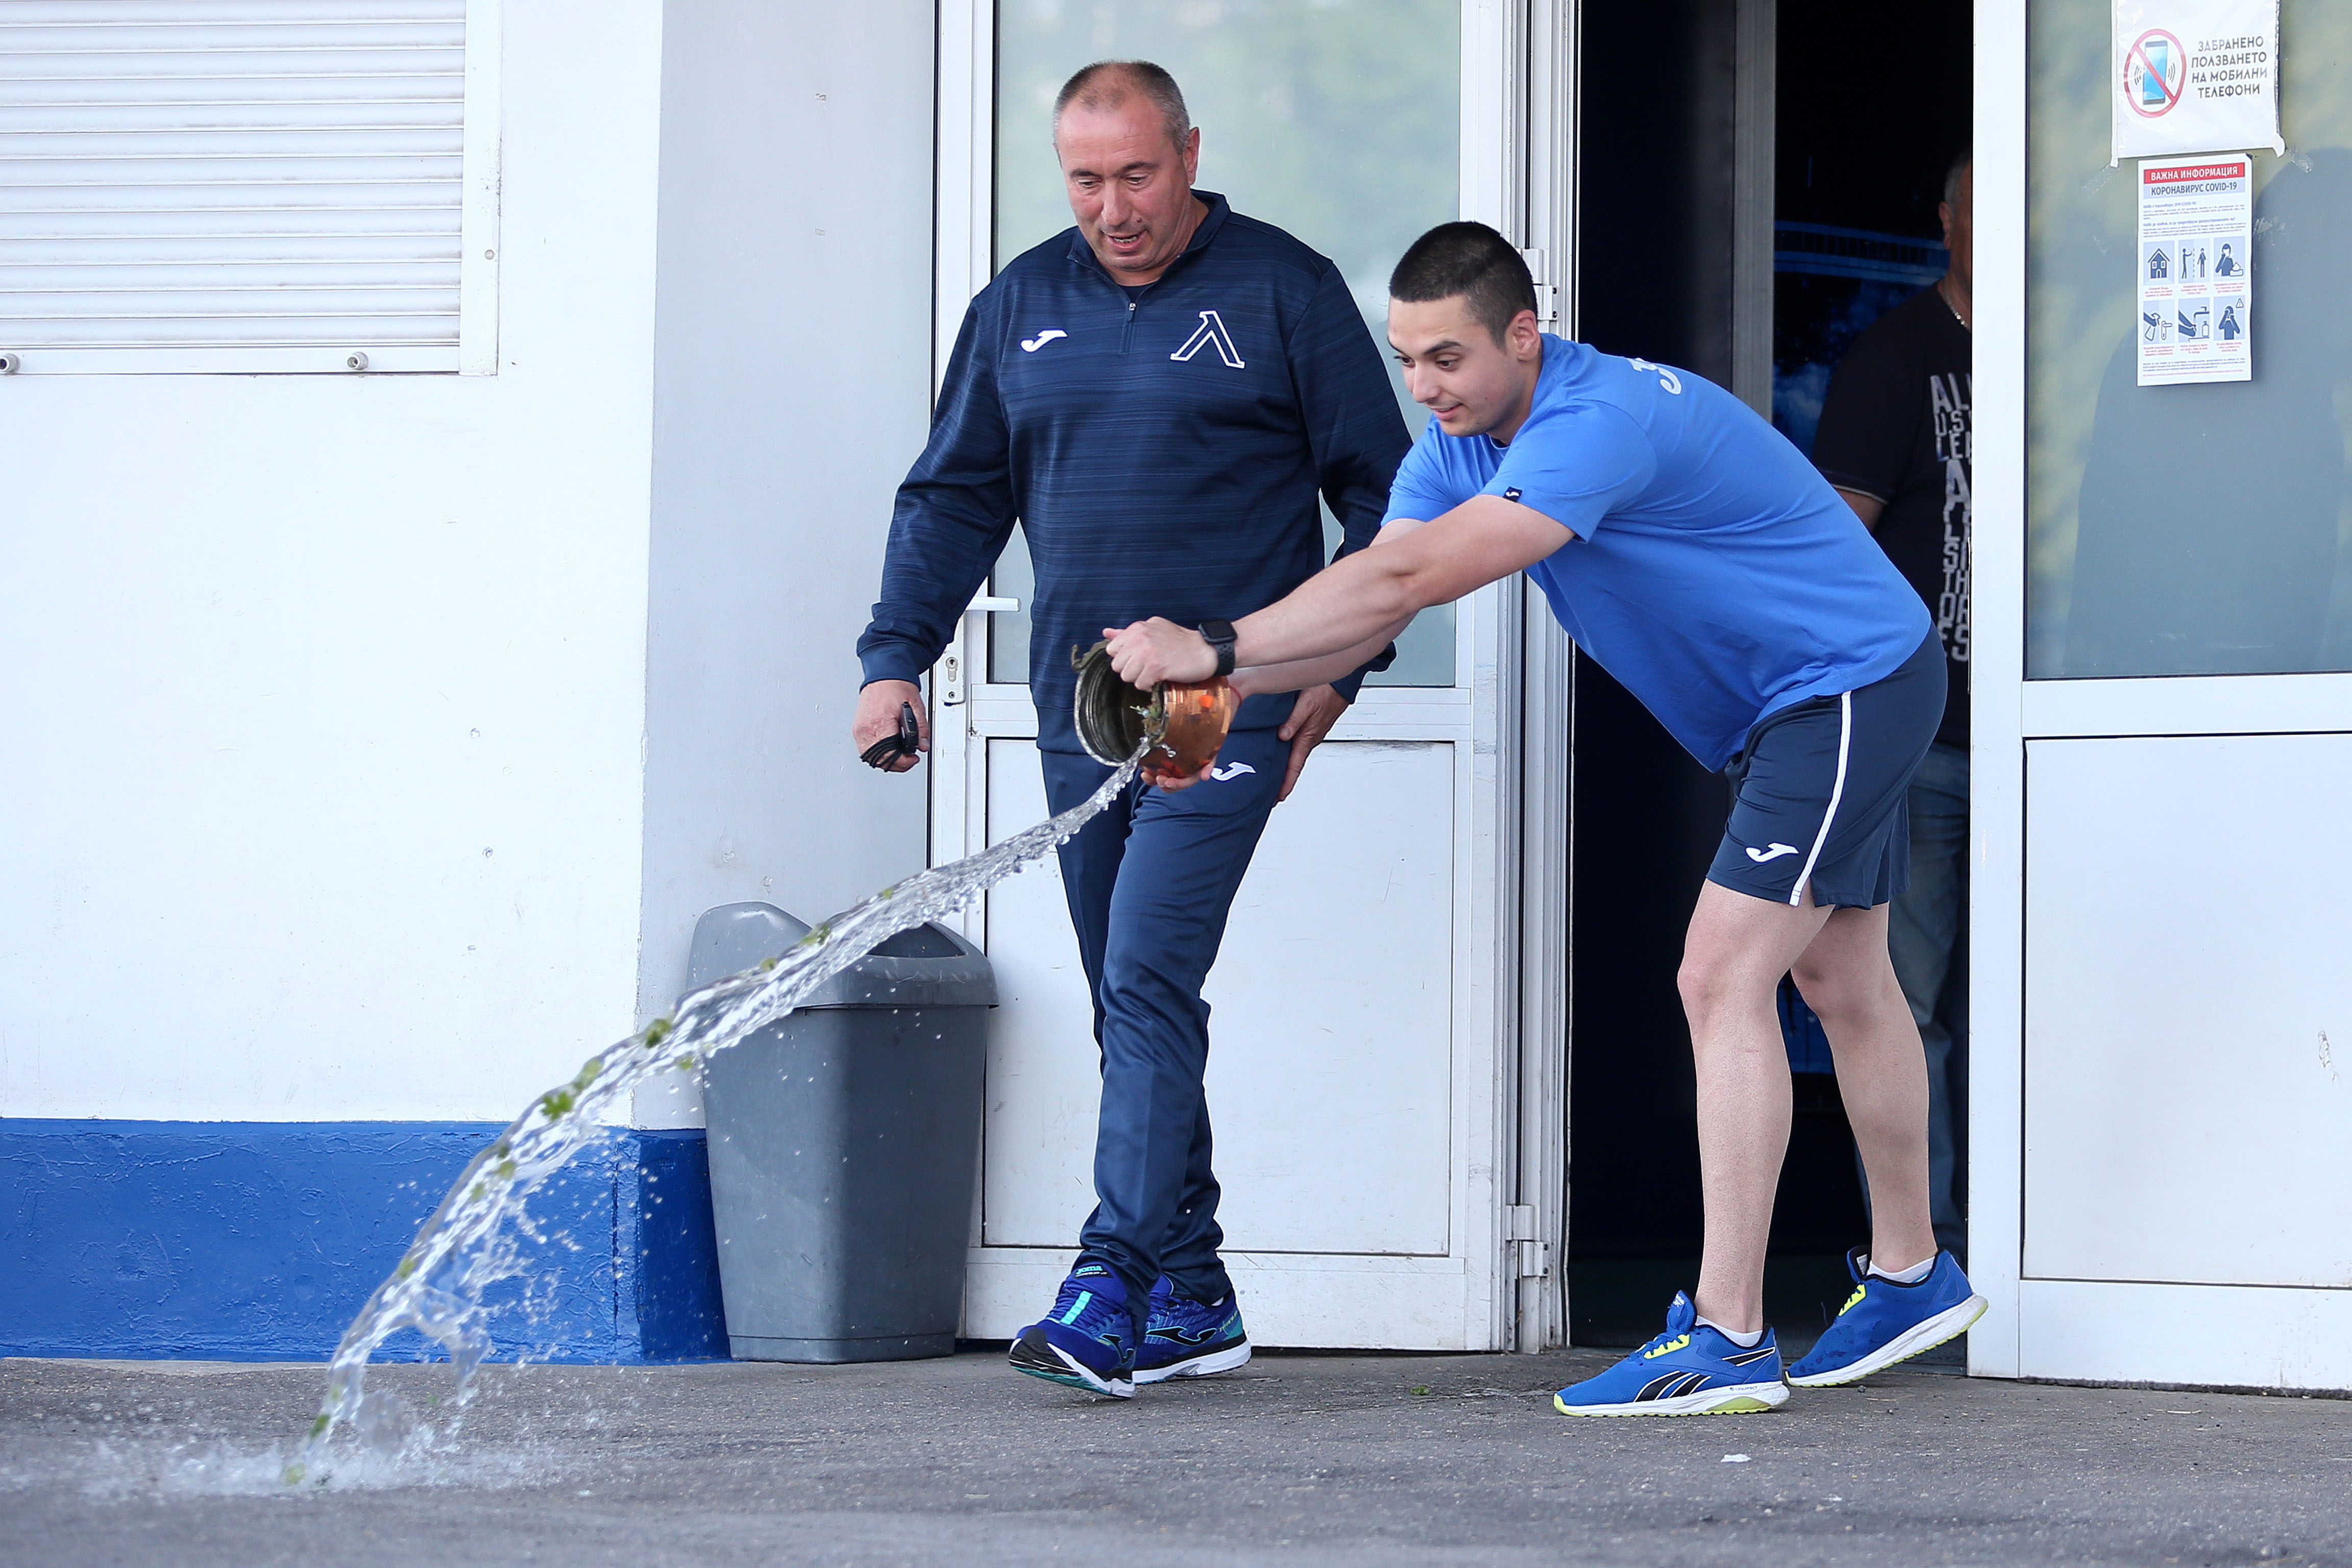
[469, 1243]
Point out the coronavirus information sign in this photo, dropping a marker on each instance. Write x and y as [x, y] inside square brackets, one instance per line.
[2194, 76]
[2196, 269]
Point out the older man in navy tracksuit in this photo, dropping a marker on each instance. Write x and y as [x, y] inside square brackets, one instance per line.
[1157, 397]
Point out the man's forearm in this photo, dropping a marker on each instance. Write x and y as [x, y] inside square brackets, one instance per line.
[1410, 567]
[1299, 674]
[1336, 612]
[1351, 606]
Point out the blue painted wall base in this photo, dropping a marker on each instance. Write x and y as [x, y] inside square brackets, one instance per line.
[257, 1241]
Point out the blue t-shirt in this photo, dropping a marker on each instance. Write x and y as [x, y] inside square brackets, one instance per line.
[1710, 569]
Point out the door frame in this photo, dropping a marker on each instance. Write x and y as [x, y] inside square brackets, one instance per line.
[1546, 135]
[1506, 715]
[1996, 690]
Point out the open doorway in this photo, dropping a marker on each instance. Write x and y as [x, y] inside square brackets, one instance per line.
[1863, 114]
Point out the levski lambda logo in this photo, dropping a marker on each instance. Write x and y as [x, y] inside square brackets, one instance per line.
[1212, 331]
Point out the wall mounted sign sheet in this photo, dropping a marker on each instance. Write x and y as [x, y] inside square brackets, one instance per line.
[2194, 76]
[2196, 269]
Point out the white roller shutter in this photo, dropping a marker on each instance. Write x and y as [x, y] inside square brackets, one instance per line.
[244, 186]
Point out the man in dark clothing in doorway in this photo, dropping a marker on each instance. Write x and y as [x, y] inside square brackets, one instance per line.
[1157, 397]
[1894, 440]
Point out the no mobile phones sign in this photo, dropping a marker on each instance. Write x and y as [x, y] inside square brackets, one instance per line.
[2194, 76]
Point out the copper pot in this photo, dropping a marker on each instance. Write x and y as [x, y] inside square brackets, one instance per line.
[1184, 724]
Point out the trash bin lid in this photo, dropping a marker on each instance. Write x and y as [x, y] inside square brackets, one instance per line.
[926, 966]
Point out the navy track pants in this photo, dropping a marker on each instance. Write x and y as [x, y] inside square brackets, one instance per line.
[1149, 883]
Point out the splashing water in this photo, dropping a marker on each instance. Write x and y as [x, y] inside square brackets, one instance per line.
[467, 1245]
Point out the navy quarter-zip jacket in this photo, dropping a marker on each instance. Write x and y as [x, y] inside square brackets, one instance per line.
[1162, 455]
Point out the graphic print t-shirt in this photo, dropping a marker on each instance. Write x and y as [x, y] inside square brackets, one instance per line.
[1896, 427]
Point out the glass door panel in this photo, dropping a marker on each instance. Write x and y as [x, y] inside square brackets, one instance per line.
[2189, 530]
[1008, 632]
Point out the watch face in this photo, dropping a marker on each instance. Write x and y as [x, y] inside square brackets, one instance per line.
[1218, 635]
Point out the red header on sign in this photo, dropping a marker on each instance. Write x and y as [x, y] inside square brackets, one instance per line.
[2185, 172]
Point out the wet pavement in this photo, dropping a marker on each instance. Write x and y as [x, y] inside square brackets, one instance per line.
[1306, 1459]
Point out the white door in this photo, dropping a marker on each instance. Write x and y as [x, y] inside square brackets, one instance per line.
[1363, 1069]
[2162, 1087]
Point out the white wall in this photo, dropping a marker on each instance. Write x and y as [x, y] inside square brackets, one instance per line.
[792, 387]
[285, 655]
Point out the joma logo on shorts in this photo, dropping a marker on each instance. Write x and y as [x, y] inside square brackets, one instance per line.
[1774, 853]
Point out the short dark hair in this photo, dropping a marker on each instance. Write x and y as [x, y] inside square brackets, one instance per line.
[1952, 176]
[1106, 83]
[1471, 261]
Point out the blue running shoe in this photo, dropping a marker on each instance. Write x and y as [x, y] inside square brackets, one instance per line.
[1190, 1339]
[1689, 1370]
[1089, 1340]
[1886, 1321]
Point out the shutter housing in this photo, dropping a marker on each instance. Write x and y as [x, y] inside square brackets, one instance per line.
[241, 185]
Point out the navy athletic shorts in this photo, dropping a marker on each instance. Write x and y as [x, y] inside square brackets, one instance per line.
[1818, 792]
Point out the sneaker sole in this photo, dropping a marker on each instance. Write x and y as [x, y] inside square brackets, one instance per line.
[1739, 1399]
[1206, 1365]
[1072, 1373]
[1948, 1324]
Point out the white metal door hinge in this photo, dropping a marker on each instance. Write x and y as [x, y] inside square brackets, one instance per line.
[1546, 291]
[1530, 1257]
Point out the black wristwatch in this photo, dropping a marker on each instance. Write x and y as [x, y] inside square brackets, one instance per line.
[1218, 635]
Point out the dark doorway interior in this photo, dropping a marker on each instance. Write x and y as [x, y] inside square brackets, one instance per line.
[1870, 112]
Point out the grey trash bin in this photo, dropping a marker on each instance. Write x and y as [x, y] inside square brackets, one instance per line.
[843, 1143]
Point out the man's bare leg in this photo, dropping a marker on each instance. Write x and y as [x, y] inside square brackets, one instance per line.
[1737, 948]
[1882, 1069]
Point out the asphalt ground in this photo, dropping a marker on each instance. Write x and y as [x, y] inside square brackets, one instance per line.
[1304, 1459]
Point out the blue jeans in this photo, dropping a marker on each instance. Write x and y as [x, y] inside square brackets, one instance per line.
[1149, 883]
[1926, 936]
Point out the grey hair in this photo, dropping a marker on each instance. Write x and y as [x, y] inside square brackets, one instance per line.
[1105, 84]
[1952, 177]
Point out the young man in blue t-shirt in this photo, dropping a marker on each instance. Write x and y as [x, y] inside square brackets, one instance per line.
[1699, 558]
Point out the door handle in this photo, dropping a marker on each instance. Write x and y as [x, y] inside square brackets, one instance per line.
[952, 672]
